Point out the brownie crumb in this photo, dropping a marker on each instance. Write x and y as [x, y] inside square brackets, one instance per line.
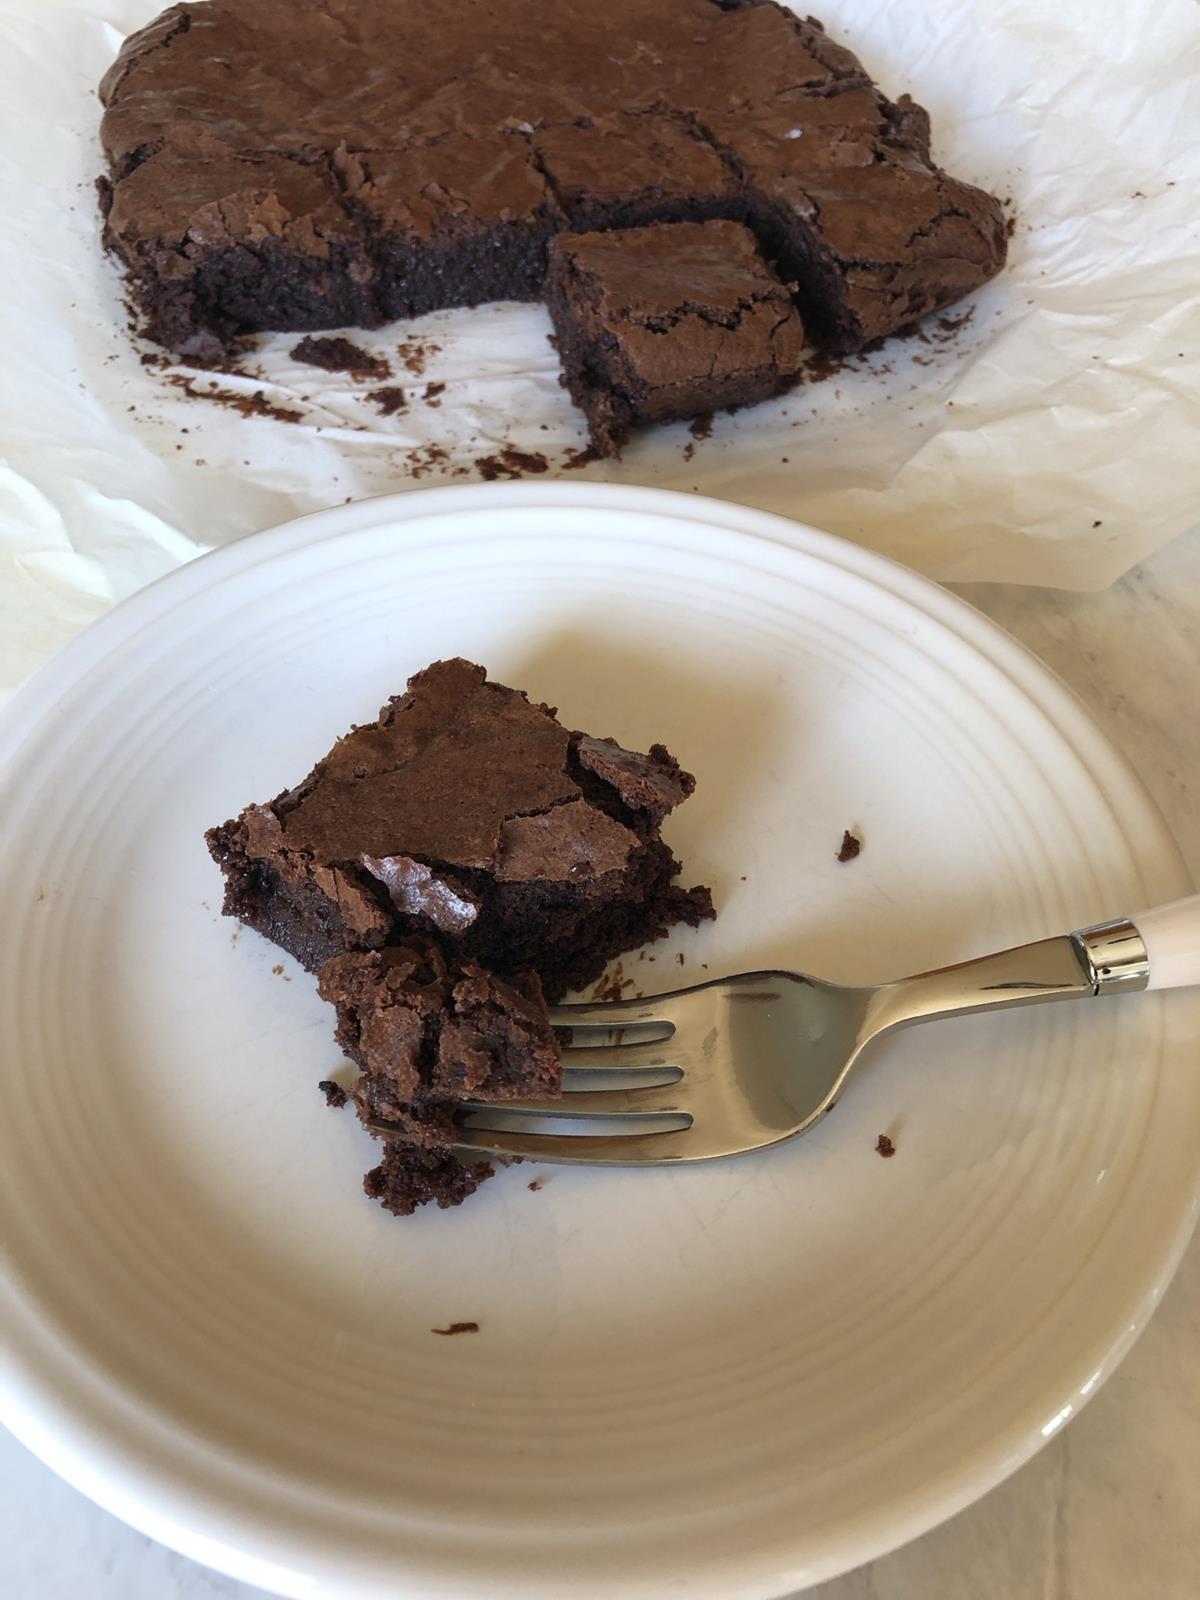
[410, 1175]
[335, 1095]
[1097, 524]
[247, 405]
[388, 399]
[432, 391]
[700, 427]
[850, 846]
[277, 968]
[510, 463]
[884, 1146]
[574, 459]
[414, 354]
[457, 1327]
[535, 1184]
[340, 355]
[949, 326]
[689, 450]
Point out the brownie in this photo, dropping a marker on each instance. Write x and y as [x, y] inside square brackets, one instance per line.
[668, 321]
[215, 243]
[451, 224]
[283, 164]
[468, 814]
[429, 1031]
[839, 190]
[409, 1176]
[628, 170]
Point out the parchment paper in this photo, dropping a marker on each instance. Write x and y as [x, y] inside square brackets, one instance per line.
[1051, 439]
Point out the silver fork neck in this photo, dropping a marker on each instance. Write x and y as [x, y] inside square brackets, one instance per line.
[1107, 959]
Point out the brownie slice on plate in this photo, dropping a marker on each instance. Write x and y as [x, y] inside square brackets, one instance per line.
[469, 814]
[668, 321]
[440, 868]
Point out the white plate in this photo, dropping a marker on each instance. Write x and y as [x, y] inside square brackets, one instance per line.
[726, 1381]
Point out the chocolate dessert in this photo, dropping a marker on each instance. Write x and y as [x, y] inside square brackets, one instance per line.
[429, 1032]
[668, 321]
[441, 869]
[467, 813]
[285, 164]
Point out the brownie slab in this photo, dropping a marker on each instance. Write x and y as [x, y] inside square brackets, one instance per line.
[468, 814]
[448, 141]
[668, 321]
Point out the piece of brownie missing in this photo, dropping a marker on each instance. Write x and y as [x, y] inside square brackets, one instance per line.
[668, 321]
[440, 868]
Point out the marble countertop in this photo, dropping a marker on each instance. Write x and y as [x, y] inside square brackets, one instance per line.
[1109, 1510]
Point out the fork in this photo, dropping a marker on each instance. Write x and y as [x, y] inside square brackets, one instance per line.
[736, 1064]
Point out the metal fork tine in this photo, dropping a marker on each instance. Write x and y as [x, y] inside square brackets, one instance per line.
[633, 1103]
[621, 1150]
[625, 1057]
[611, 1014]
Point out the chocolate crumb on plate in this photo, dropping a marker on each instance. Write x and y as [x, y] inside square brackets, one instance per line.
[335, 1095]
[850, 846]
[884, 1146]
[457, 1327]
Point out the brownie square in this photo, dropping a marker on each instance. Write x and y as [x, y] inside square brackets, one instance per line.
[626, 171]
[468, 815]
[220, 244]
[840, 191]
[668, 321]
[454, 223]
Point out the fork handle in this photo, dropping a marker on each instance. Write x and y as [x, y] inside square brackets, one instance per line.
[1159, 949]
[1171, 935]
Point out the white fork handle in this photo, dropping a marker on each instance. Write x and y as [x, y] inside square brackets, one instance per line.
[1171, 934]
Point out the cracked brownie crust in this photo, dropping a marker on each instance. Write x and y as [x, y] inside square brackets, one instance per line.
[303, 164]
[668, 321]
[468, 814]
